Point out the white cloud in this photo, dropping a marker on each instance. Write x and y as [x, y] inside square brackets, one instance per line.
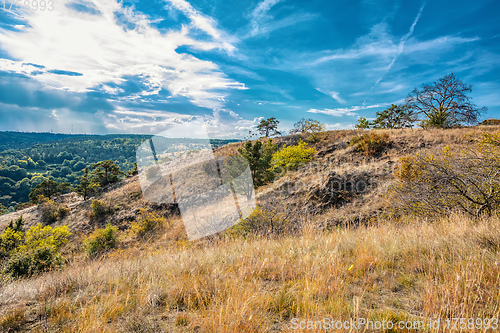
[338, 112]
[380, 43]
[262, 23]
[221, 124]
[139, 120]
[259, 15]
[370, 58]
[99, 48]
[228, 124]
[336, 96]
[206, 24]
[338, 126]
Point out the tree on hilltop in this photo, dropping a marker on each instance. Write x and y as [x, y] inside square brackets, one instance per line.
[269, 127]
[395, 116]
[444, 103]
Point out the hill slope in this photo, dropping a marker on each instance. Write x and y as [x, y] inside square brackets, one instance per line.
[331, 257]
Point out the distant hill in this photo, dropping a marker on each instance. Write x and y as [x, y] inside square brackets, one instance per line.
[19, 140]
[26, 159]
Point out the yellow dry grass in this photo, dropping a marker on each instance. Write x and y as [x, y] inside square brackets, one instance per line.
[413, 270]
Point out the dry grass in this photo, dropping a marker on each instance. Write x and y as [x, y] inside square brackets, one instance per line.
[412, 270]
[409, 270]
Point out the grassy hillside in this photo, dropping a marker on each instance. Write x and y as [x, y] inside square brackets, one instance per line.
[305, 254]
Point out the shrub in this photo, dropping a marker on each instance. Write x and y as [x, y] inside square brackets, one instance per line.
[17, 224]
[371, 144]
[439, 118]
[9, 241]
[466, 180]
[32, 261]
[51, 211]
[99, 209]
[292, 157]
[62, 211]
[101, 240]
[147, 222]
[13, 321]
[261, 222]
[491, 121]
[35, 251]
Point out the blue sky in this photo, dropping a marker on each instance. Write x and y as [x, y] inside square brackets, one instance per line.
[102, 66]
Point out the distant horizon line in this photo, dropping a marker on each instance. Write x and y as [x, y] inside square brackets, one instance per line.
[90, 134]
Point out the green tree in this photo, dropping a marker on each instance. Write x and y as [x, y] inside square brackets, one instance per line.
[14, 172]
[23, 189]
[134, 171]
[40, 164]
[86, 186]
[259, 158]
[37, 180]
[48, 189]
[22, 164]
[444, 103]
[396, 116]
[78, 166]
[106, 172]
[309, 126]
[362, 123]
[31, 163]
[269, 127]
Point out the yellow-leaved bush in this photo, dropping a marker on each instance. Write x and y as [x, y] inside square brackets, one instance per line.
[292, 157]
[147, 223]
[34, 251]
[101, 241]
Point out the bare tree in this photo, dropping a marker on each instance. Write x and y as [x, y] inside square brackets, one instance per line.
[444, 103]
[466, 180]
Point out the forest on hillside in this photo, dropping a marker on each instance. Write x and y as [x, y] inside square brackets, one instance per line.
[27, 159]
